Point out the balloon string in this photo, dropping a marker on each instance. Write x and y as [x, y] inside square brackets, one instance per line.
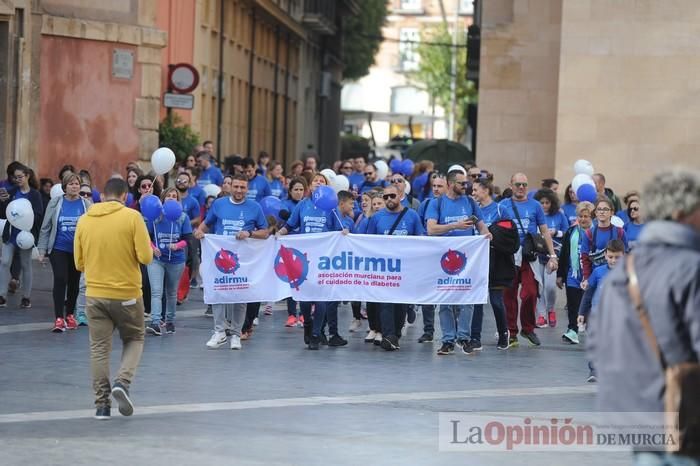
[170, 250]
[342, 227]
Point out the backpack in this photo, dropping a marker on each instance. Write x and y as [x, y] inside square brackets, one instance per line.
[597, 257]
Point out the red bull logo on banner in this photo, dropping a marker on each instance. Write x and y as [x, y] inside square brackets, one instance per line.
[453, 264]
[291, 266]
[227, 262]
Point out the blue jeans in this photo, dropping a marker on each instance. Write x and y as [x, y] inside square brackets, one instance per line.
[158, 272]
[428, 318]
[392, 317]
[291, 307]
[499, 313]
[325, 312]
[456, 322]
[663, 459]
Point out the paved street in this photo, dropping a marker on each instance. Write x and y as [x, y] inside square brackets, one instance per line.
[274, 402]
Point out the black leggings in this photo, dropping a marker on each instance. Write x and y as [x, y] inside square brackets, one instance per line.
[356, 310]
[573, 301]
[66, 282]
[373, 318]
[251, 312]
[146, 289]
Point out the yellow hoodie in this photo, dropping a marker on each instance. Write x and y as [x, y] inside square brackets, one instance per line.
[110, 242]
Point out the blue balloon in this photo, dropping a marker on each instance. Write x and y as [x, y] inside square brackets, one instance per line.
[407, 167]
[395, 166]
[129, 199]
[586, 192]
[325, 198]
[151, 208]
[271, 206]
[172, 210]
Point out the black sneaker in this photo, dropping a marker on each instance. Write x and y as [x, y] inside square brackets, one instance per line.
[26, 303]
[3, 301]
[307, 334]
[390, 343]
[103, 413]
[502, 341]
[466, 346]
[592, 377]
[121, 395]
[425, 338]
[476, 345]
[169, 328]
[411, 315]
[209, 312]
[337, 340]
[314, 343]
[531, 338]
[446, 348]
[323, 339]
[153, 329]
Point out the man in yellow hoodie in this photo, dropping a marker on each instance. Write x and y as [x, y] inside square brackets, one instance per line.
[110, 242]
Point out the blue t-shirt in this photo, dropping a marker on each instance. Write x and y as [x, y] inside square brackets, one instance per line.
[96, 196]
[632, 232]
[346, 221]
[191, 207]
[309, 219]
[277, 189]
[67, 221]
[228, 218]
[422, 209]
[623, 216]
[531, 215]
[445, 210]
[163, 233]
[368, 186]
[356, 180]
[258, 188]
[493, 213]
[361, 226]
[198, 193]
[211, 175]
[570, 212]
[602, 237]
[381, 222]
[595, 281]
[560, 223]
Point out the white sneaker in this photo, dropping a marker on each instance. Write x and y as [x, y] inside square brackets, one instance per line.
[355, 325]
[255, 321]
[235, 342]
[370, 336]
[377, 338]
[217, 340]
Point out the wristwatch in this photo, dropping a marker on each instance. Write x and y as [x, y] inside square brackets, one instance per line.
[553, 256]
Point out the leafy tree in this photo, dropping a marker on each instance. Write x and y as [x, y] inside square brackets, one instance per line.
[362, 37]
[434, 73]
[179, 137]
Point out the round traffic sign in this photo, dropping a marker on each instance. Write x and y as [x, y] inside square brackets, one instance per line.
[183, 77]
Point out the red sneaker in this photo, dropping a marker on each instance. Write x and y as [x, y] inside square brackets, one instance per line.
[291, 321]
[71, 323]
[552, 318]
[541, 322]
[59, 326]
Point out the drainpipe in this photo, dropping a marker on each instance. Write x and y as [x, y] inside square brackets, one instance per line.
[275, 94]
[251, 88]
[220, 91]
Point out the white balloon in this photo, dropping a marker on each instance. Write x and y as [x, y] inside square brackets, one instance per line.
[25, 240]
[163, 160]
[382, 169]
[328, 173]
[407, 188]
[581, 179]
[457, 167]
[617, 222]
[20, 214]
[212, 190]
[3, 222]
[340, 183]
[583, 167]
[57, 190]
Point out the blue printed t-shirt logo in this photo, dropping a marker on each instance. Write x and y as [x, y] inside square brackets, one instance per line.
[453, 262]
[227, 261]
[291, 266]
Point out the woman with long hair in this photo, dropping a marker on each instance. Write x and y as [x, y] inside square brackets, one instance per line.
[56, 242]
[596, 239]
[298, 190]
[557, 225]
[633, 227]
[275, 178]
[169, 243]
[132, 174]
[21, 190]
[570, 203]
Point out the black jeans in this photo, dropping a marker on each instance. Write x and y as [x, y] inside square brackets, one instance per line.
[356, 307]
[573, 302]
[251, 312]
[373, 317]
[146, 289]
[393, 317]
[66, 282]
[499, 314]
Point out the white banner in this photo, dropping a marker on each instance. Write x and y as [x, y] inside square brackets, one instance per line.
[337, 267]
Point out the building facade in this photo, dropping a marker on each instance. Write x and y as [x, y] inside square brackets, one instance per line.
[386, 97]
[611, 82]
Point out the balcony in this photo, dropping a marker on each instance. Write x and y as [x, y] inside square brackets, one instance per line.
[319, 16]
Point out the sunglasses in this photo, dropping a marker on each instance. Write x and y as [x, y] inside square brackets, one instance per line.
[146, 186]
[386, 197]
[475, 176]
[84, 194]
[347, 167]
[369, 173]
[182, 181]
[634, 209]
[603, 209]
[520, 185]
[397, 180]
[465, 184]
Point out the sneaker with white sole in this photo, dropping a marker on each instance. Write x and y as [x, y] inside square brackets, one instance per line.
[217, 340]
[121, 394]
[256, 321]
[355, 325]
[571, 336]
[235, 342]
[377, 339]
[371, 335]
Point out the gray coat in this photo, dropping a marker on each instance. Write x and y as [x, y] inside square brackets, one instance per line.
[667, 262]
[47, 235]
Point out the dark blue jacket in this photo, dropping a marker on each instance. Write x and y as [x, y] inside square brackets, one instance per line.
[34, 197]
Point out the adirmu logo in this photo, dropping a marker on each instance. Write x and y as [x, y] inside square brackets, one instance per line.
[453, 262]
[227, 261]
[291, 266]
